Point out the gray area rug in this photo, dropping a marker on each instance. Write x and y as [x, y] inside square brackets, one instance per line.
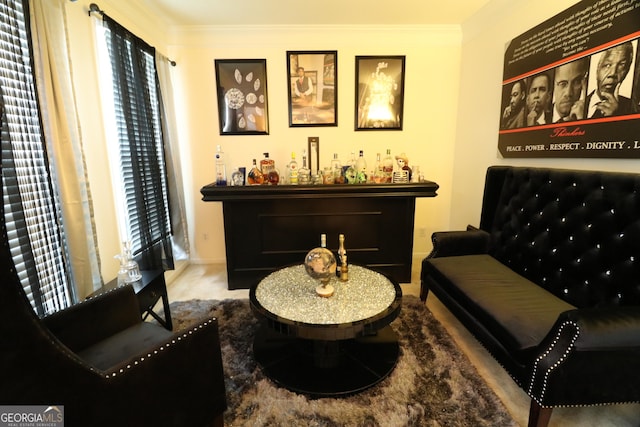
[433, 384]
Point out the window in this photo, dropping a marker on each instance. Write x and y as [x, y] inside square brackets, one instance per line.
[32, 211]
[132, 97]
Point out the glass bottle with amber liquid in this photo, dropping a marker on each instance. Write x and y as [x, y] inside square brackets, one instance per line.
[267, 164]
[255, 176]
[269, 171]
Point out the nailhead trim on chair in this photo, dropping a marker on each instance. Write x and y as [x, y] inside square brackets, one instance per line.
[167, 345]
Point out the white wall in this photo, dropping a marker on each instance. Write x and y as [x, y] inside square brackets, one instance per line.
[431, 96]
[484, 38]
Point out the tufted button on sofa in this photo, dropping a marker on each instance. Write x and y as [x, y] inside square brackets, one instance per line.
[549, 283]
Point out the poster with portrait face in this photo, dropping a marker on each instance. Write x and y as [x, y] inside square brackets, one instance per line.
[571, 85]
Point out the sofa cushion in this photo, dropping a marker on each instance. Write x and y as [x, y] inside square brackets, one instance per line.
[518, 312]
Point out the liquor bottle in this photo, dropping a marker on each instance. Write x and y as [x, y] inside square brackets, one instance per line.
[304, 174]
[387, 167]
[268, 169]
[237, 177]
[316, 178]
[415, 174]
[273, 177]
[221, 171]
[378, 171]
[293, 170]
[255, 176]
[267, 165]
[361, 169]
[350, 171]
[342, 255]
[336, 166]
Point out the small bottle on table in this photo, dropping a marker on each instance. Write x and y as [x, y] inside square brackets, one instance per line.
[342, 255]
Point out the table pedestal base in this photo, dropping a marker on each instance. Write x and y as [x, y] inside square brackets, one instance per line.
[326, 368]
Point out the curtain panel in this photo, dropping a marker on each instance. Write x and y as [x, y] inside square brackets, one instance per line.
[63, 136]
[177, 210]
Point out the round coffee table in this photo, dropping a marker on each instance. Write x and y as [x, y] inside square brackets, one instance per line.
[326, 346]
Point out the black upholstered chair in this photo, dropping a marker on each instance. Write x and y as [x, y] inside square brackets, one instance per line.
[103, 363]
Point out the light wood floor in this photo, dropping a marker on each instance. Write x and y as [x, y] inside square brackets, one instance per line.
[210, 282]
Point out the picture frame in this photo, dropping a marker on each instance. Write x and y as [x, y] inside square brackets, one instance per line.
[312, 82]
[241, 86]
[379, 100]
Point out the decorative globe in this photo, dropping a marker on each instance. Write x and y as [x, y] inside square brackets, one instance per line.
[320, 264]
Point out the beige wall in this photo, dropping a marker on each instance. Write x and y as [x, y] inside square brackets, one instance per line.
[479, 105]
[452, 102]
[432, 68]
[431, 93]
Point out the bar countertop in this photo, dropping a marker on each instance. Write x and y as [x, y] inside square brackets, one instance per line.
[213, 193]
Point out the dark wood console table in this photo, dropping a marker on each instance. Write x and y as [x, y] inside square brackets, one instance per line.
[269, 227]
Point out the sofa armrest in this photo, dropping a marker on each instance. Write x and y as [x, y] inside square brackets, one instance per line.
[95, 319]
[457, 243]
[594, 350]
[606, 328]
[179, 383]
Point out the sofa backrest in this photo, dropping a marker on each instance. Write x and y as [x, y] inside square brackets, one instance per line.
[575, 233]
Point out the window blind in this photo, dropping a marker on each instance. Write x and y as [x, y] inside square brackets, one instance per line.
[31, 209]
[142, 164]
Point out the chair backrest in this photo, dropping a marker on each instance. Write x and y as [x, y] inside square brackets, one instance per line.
[575, 233]
[28, 350]
[18, 320]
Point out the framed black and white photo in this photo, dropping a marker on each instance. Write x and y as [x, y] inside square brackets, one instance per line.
[242, 96]
[313, 88]
[379, 92]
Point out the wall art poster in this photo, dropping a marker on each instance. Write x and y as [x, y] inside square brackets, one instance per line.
[313, 88]
[379, 92]
[242, 96]
[571, 85]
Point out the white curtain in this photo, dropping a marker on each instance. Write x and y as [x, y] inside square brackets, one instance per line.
[62, 133]
[172, 155]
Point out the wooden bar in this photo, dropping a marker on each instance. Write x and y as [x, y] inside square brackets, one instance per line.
[269, 227]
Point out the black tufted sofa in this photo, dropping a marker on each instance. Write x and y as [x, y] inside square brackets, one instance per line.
[550, 283]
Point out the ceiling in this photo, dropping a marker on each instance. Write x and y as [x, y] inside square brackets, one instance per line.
[324, 12]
